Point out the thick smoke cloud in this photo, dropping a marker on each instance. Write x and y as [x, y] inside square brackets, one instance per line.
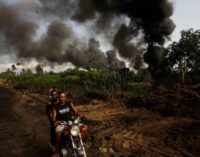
[150, 16]
[92, 56]
[113, 61]
[61, 8]
[17, 32]
[89, 57]
[126, 48]
[122, 42]
[52, 46]
[145, 32]
[20, 34]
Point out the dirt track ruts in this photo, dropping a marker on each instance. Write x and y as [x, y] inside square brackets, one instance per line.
[22, 128]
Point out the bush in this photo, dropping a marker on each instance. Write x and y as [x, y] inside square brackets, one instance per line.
[92, 81]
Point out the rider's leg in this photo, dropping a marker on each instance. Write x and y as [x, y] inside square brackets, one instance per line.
[52, 135]
[59, 130]
[58, 140]
[84, 132]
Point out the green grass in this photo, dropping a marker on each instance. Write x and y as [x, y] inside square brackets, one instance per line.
[100, 82]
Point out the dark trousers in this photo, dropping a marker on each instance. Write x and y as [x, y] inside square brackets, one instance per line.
[52, 135]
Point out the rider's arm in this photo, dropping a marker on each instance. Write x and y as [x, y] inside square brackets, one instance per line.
[74, 110]
[54, 116]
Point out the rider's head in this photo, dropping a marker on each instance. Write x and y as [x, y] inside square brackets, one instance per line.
[62, 97]
[54, 94]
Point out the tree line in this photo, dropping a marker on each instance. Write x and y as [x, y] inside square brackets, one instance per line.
[180, 64]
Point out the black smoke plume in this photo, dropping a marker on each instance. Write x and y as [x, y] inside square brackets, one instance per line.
[150, 16]
[92, 57]
[61, 8]
[145, 28]
[51, 47]
[17, 32]
[20, 35]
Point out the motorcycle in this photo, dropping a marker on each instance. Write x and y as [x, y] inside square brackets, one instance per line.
[72, 141]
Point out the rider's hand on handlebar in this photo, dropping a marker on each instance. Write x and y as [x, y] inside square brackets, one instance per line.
[57, 123]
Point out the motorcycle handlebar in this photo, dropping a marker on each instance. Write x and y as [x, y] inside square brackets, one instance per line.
[77, 120]
[63, 122]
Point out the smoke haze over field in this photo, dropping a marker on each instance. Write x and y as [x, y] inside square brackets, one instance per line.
[49, 31]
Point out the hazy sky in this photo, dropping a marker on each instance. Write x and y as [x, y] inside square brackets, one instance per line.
[186, 15]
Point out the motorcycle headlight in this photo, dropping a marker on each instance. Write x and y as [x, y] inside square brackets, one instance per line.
[75, 131]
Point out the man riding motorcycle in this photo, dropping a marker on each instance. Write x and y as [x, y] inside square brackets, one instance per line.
[49, 110]
[63, 111]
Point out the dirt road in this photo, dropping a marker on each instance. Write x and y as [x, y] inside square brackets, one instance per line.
[23, 129]
[115, 130]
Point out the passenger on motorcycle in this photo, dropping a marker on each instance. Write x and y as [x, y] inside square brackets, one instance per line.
[49, 110]
[63, 111]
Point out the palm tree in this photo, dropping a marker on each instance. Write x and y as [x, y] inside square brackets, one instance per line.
[14, 68]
